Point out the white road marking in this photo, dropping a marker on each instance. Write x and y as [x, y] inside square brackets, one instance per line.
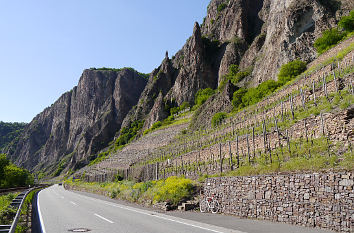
[73, 203]
[40, 214]
[203, 226]
[62, 197]
[97, 215]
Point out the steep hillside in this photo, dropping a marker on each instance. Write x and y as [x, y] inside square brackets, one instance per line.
[258, 36]
[109, 108]
[305, 126]
[8, 133]
[80, 122]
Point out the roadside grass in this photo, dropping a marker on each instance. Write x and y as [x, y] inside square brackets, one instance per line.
[22, 227]
[173, 190]
[7, 213]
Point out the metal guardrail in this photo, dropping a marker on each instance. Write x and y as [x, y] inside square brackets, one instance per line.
[9, 190]
[16, 202]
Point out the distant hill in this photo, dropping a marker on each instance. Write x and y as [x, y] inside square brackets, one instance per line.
[9, 132]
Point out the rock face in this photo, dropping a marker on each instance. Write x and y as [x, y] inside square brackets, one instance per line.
[257, 35]
[276, 31]
[82, 121]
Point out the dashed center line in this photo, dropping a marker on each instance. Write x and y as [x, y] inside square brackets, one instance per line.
[73, 203]
[97, 215]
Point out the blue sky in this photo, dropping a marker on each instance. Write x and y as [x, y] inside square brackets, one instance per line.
[46, 44]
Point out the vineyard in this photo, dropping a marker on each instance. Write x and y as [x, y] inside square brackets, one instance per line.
[306, 125]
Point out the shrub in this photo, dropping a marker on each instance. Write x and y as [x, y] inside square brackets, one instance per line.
[13, 176]
[237, 97]
[235, 75]
[202, 96]
[245, 97]
[127, 134]
[7, 215]
[156, 125]
[218, 118]
[291, 70]
[174, 190]
[347, 22]
[221, 7]
[174, 111]
[233, 69]
[184, 106]
[328, 39]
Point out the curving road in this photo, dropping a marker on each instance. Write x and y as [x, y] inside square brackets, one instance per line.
[66, 211]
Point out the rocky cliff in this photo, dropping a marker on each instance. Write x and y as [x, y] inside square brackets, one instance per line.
[81, 122]
[257, 35]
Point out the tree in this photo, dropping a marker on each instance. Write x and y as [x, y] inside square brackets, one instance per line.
[3, 163]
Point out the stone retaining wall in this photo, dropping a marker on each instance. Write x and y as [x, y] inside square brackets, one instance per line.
[313, 200]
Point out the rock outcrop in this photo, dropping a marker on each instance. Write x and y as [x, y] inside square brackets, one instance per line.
[276, 31]
[81, 122]
[257, 35]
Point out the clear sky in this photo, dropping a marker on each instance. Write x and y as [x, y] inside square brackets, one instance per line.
[46, 44]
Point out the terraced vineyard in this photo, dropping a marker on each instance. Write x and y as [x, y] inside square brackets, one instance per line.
[306, 125]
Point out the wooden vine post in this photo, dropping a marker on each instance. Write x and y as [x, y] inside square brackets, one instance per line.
[314, 92]
[237, 154]
[248, 149]
[254, 144]
[231, 162]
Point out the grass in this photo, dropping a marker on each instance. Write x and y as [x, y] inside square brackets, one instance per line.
[173, 190]
[25, 211]
[7, 213]
[316, 155]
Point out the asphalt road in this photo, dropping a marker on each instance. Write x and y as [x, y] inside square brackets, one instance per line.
[66, 211]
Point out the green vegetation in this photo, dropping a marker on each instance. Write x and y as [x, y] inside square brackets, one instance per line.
[10, 132]
[13, 176]
[221, 7]
[333, 36]
[146, 76]
[347, 22]
[235, 75]
[22, 226]
[173, 189]
[246, 97]
[7, 213]
[328, 39]
[127, 134]
[218, 118]
[202, 96]
[290, 70]
[60, 168]
[313, 155]
[174, 110]
[154, 126]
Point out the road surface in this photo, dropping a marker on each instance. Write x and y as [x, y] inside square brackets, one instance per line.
[61, 211]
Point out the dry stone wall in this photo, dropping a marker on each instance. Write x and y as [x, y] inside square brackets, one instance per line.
[312, 200]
